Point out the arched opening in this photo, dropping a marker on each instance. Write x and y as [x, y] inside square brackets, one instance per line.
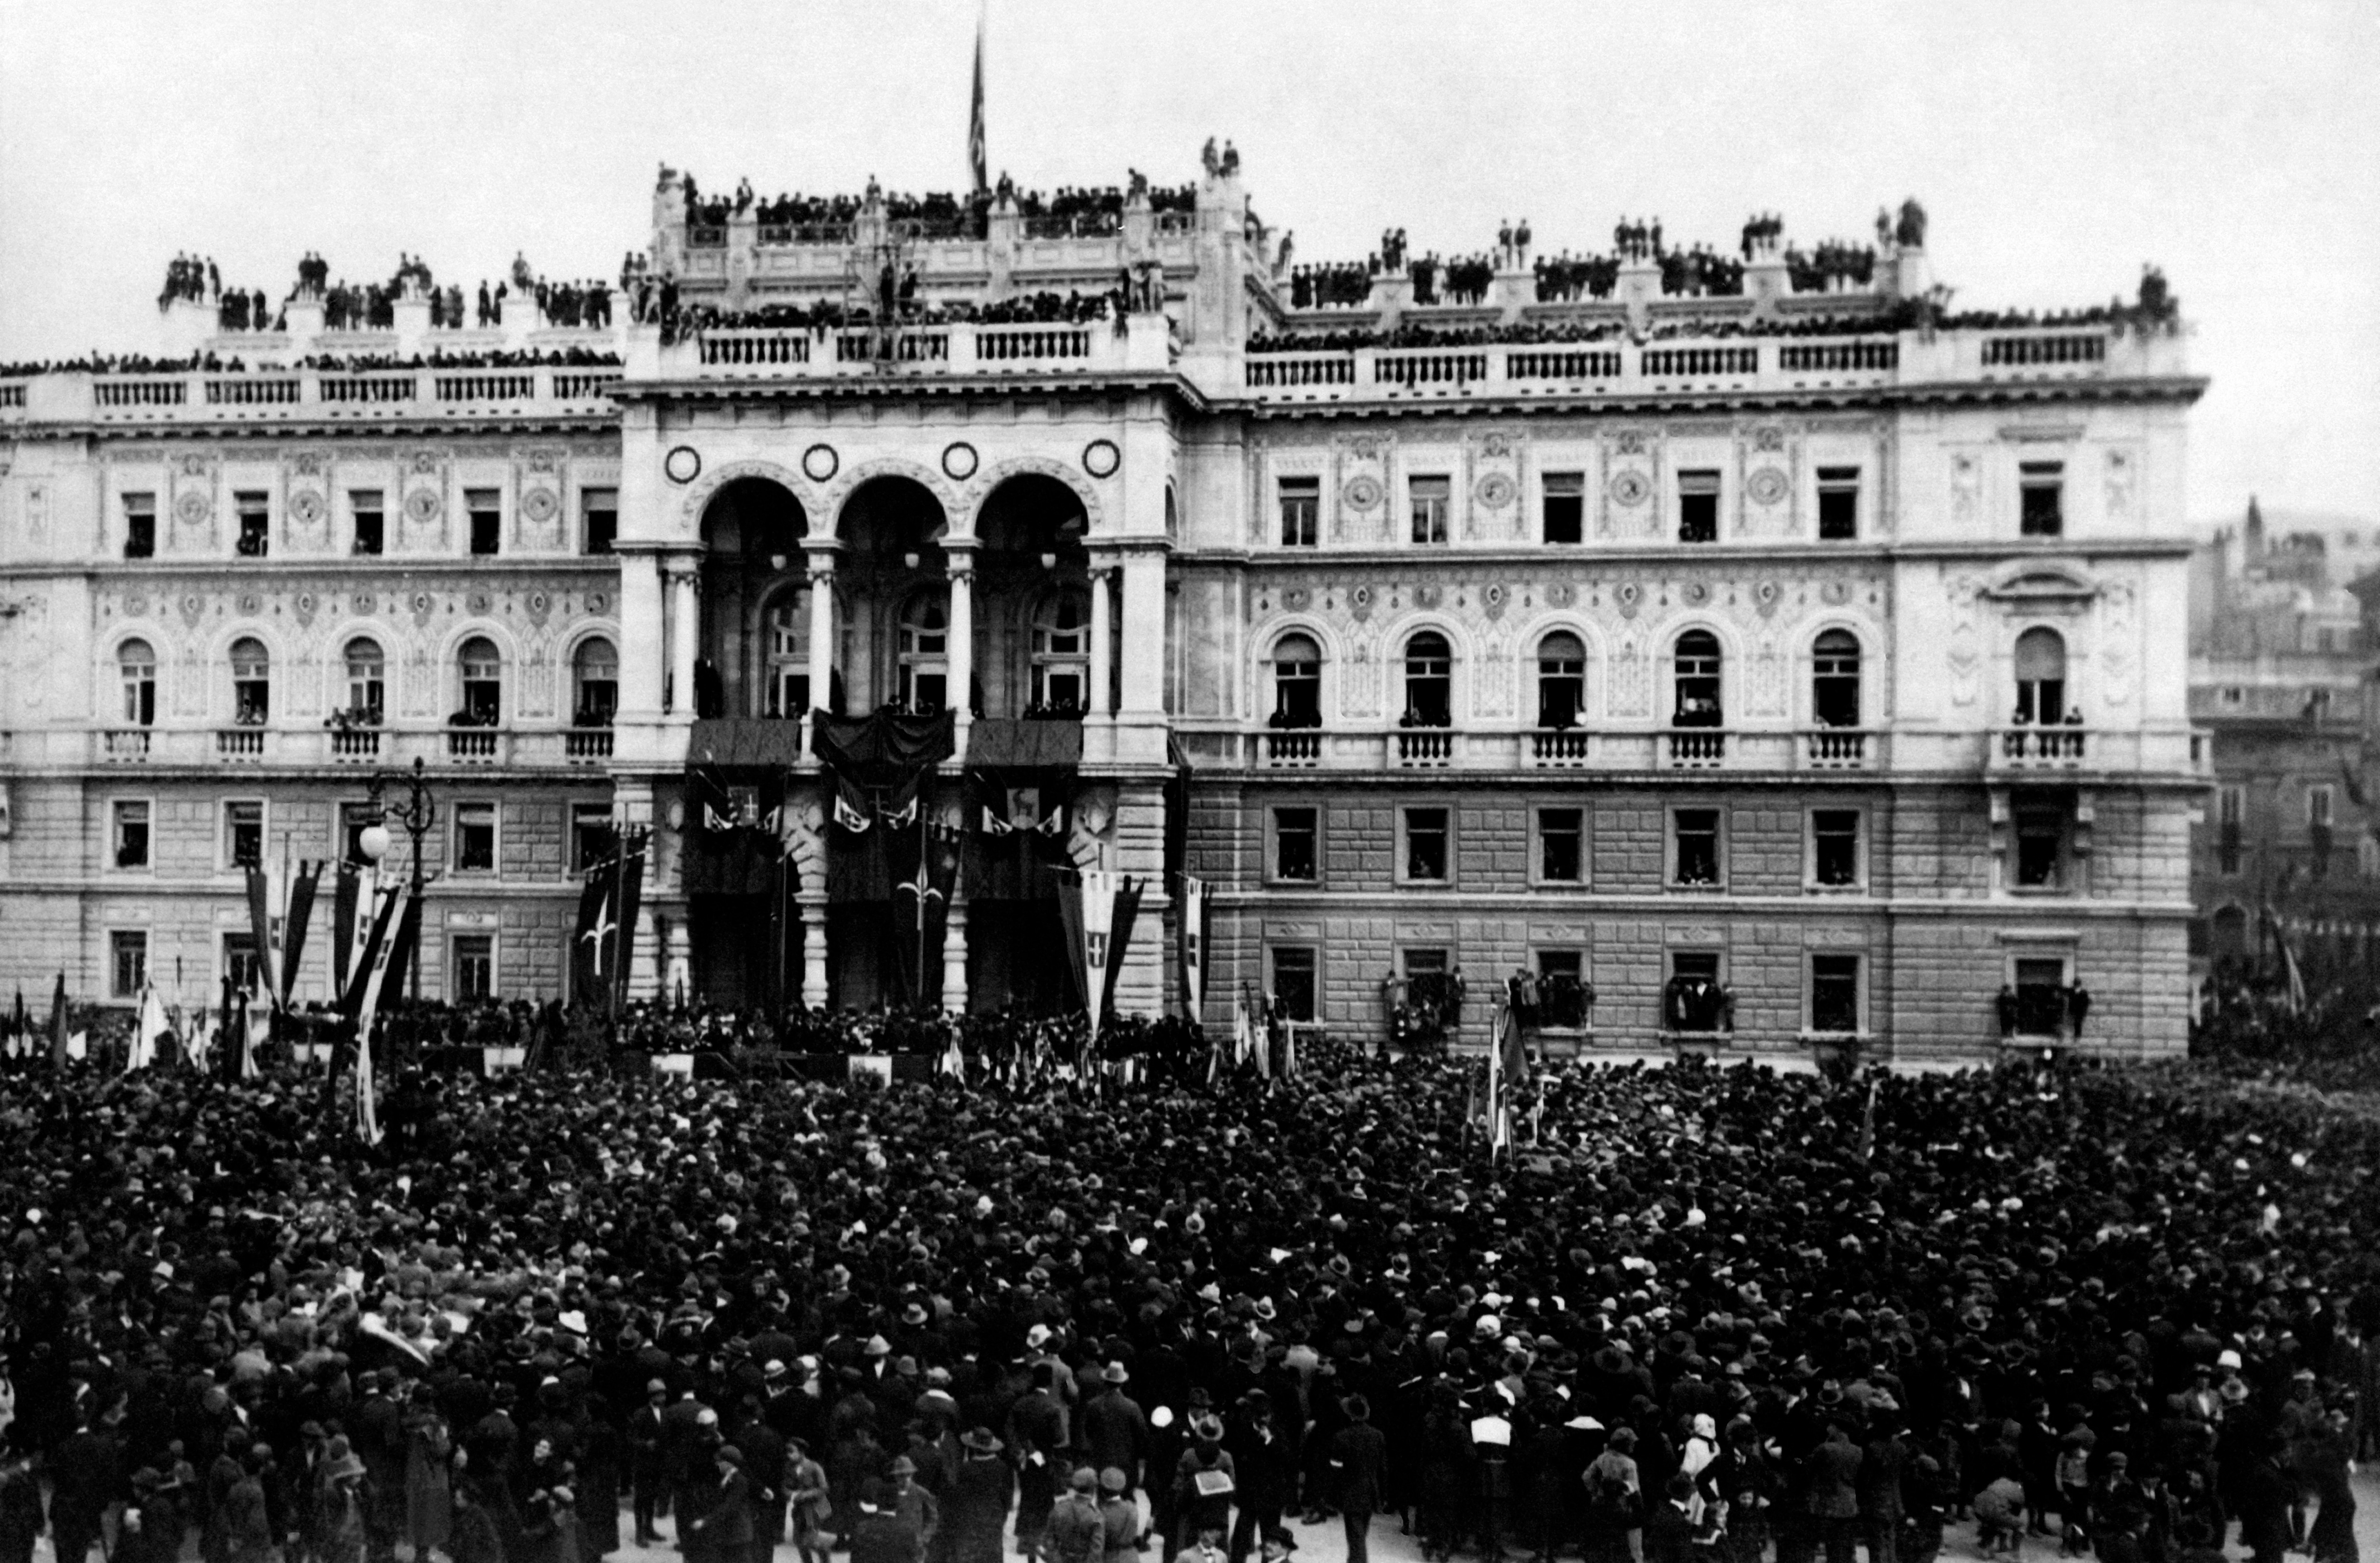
[1429, 681]
[251, 682]
[367, 680]
[2040, 676]
[925, 655]
[1835, 679]
[2230, 933]
[482, 670]
[753, 532]
[1561, 679]
[1030, 560]
[136, 665]
[1696, 674]
[785, 689]
[595, 683]
[1296, 682]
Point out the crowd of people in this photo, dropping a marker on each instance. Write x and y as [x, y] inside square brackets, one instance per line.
[1689, 1315]
[192, 277]
[1093, 208]
[659, 304]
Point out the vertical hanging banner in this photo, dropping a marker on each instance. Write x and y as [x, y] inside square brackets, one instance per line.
[1099, 924]
[1192, 915]
[259, 922]
[293, 925]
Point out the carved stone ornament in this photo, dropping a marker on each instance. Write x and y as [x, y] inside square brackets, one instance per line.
[192, 508]
[1629, 488]
[423, 506]
[820, 462]
[597, 601]
[1101, 458]
[683, 464]
[364, 602]
[1560, 595]
[1363, 492]
[1493, 596]
[306, 508]
[1766, 486]
[539, 505]
[1496, 491]
[1296, 597]
[959, 462]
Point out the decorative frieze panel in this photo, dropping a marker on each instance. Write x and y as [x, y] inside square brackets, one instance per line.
[1630, 503]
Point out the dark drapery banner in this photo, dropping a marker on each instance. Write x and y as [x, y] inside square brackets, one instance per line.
[884, 750]
[1070, 913]
[1127, 907]
[343, 926]
[293, 936]
[586, 985]
[259, 922]
[1014, 743]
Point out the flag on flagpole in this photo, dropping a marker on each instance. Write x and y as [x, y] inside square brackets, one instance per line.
[977, 163]
[142, 1054]
[1496, 1135]
[1192, 915]
[954, 1061]
[59, 1023]
[1867, 1123]
[1098, 917]
[375, 981]
[294, 923]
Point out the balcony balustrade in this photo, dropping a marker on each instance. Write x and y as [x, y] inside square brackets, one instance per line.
[1425, 749]
[1835, 749]
[239, 743]
[354, 744]
[475, 746]
[1301, 750]
[1562, 748]
[587, 746]
[270, 396]
[125, 745]
[1697, 749]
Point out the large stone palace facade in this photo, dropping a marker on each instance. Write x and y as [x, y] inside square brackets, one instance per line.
[1791, 642]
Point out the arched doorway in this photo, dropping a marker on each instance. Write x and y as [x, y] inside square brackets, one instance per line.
[752, 535]
[892, 565]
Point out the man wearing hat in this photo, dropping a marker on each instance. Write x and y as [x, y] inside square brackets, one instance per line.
[20, 1503]
[1078, 1532]
[981, 1492]
[646, 1434]
[1036, 1439]
[1118, 1515]
[1115, 1432]
[1357, 1457]
[913, 1505]
[878, 1535]
[721, 1529]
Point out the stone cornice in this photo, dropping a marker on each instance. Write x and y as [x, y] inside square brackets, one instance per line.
[2182, 390]
[1668, 555]
[942, 387]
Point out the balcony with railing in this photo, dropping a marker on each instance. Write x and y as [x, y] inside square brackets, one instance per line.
[475, 746]
[125, 745]
[1838, 749]
[587, 746]
[268, 395]
[239, 743]
[356, 745]
[1423, 749]
[1138, 343]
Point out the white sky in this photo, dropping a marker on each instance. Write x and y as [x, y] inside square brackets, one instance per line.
[2056, 145]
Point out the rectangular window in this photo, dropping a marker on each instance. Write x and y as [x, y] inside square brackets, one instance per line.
[1696, 1000]
[1835, 993]
[130, 834]
[1293, 855]
[140, 526]
[128, 961]
[599, 511]
[1838, 489]
[1430, 498]
[239, 961]
[255, 513]
[486, 509]
[243, 833]
[475, 837]
[2318, 805]
[364, 509]
[1565, 507]
[1693, 840]
[1835, 848]
[1425, 855]
[1293, 981]
[1301, 512]
[592, 837]
[354, 819]
[2042, 489]
[474, 980]
[2041, 997]
[1698, 506]
[1560, 833]
[1561, 990]
[2041, 823]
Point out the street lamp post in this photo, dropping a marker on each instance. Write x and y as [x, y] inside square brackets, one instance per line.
[417, 814]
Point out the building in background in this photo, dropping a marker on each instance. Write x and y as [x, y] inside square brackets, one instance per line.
[1754, 655]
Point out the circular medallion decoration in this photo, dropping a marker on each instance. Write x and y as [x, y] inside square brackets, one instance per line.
[193, 604]
[597, 602]
[1101, 458]
[1768, 486]
[422, 602]
[192, 508]
[305, 602]
[1627, 594]
[539, 505]
[538, 602]
[306, 507]
[1560, 595]
[959, 462]
[1695, 592]
[1361, 596]
[423, 506]
[1495, 491]
[135, 606]
[820, 463]
[1493, 596]
[363, 602]
[1630, 489]
[683, 464]
[1362, 493]
[1766, 592]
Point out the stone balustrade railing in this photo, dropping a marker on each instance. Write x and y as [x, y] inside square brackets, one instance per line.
[275, 395]
[1144, 343]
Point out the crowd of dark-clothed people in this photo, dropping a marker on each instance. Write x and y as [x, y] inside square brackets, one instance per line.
[2251, 1023]
[190, 277]
[1692, 1315]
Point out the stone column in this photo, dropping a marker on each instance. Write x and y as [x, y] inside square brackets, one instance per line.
[643, 632]
[1101, 634]
[684, 581]
[813, 908]
[962, 636]
[822, 572]
[955, 957]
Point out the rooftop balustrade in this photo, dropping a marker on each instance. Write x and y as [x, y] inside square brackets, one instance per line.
[296, 395]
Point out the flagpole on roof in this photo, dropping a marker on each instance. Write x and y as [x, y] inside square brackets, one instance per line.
[977, 162]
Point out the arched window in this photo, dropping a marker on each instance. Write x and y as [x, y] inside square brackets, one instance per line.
[367, 679]
[2230, 932]
[788, 693]
[483, 682]
[2040, 676]
[1561, 679]
[1296, 682]
[1429, 681]
[137, 665]
[1835, 679]
[595, 673]
[1697, 675]
[1062, 653]
[925, 655]
[251, 682]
